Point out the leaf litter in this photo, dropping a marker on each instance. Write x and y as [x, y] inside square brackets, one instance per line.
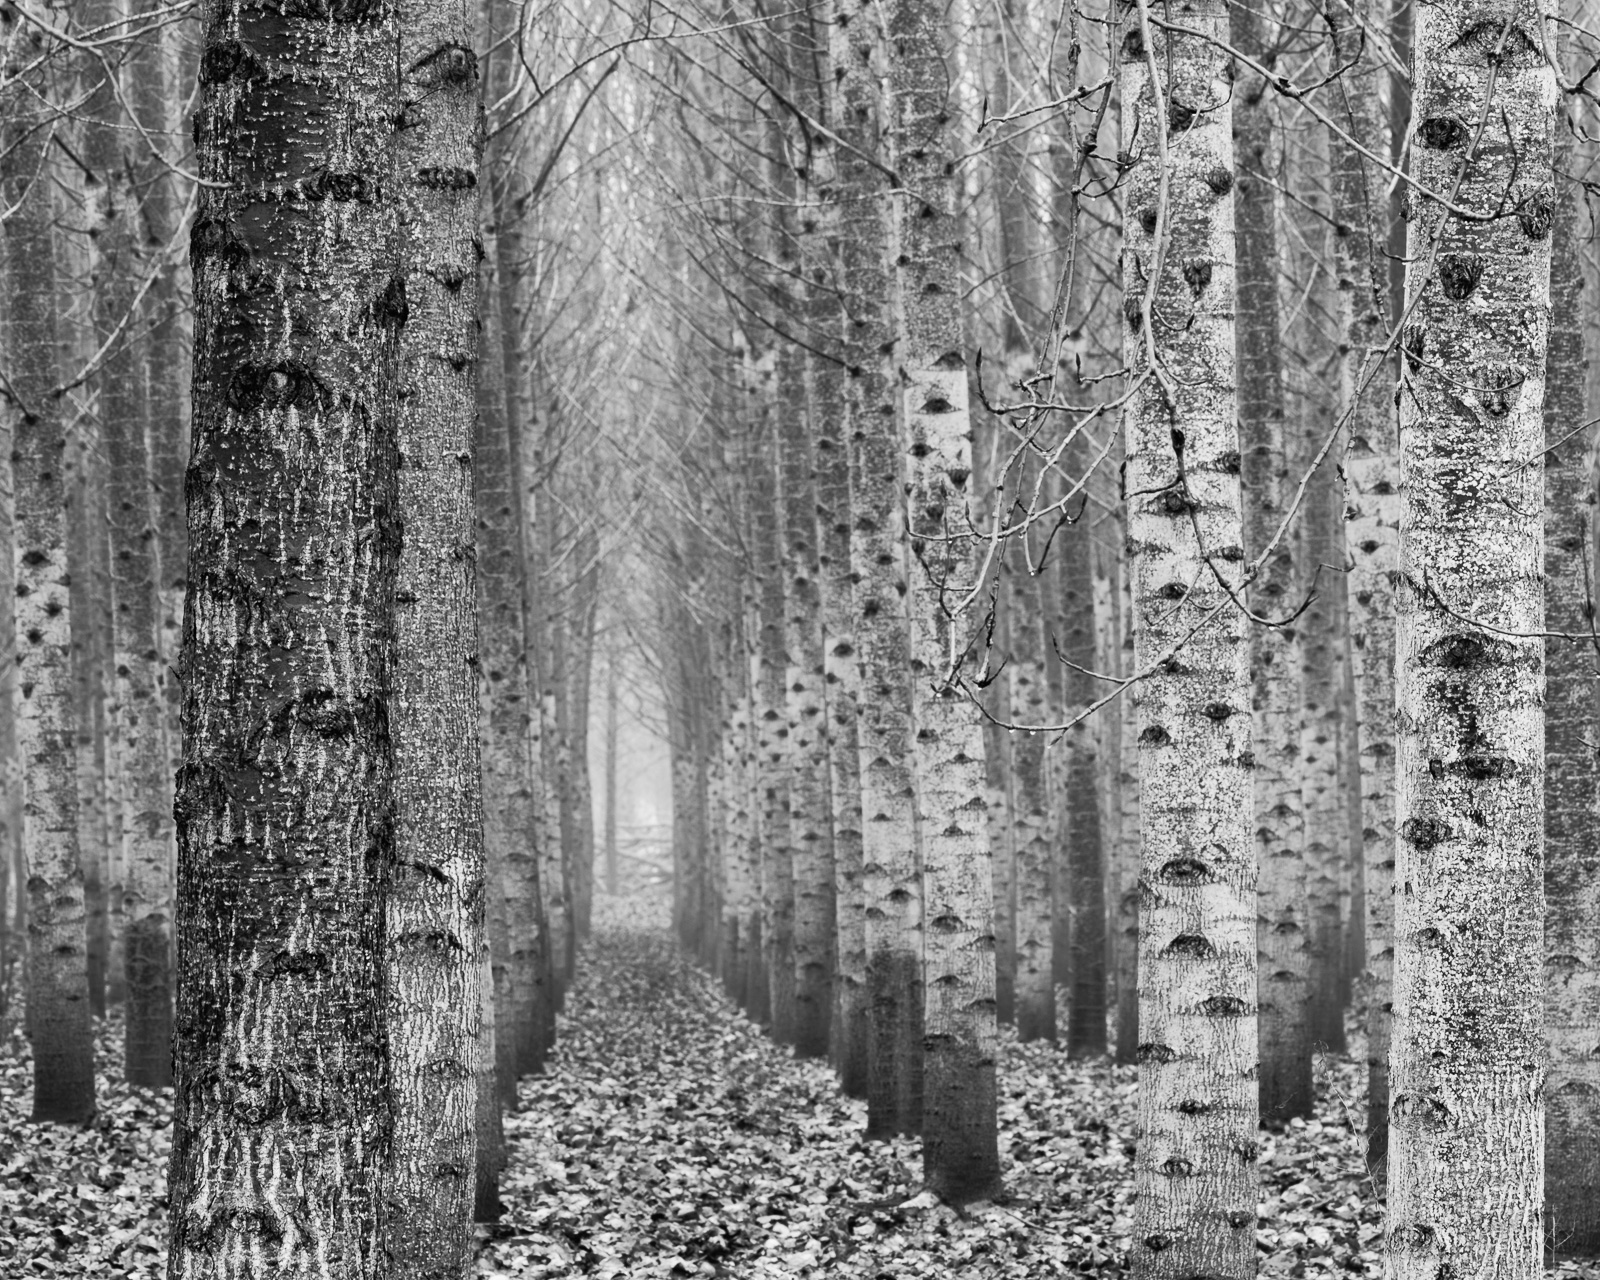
[670, 1138]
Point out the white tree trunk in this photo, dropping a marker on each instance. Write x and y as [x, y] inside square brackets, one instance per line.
[1195, 1173]
[1467, 1059]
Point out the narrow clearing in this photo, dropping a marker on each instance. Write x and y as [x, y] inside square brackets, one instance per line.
[670, 1138]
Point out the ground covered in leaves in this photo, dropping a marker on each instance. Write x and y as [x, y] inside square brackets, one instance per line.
[670, 1138]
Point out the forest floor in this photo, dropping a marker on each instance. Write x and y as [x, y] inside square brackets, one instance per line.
[670, 1138]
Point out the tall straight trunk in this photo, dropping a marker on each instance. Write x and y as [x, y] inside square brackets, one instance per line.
[57, 967]
[1275, 650]
[580, 688]
[11, 881]
[1081, 882]
[1035, 991]
[804, 390]
[1572, 779]
[1372, 529]
[1027, 855]
[999, 777]
[142, 823]
[1327, 851]
[1467, 1057]
[550, 663]
[93, 747]
[960, 1148]
[535, 928]
[288, 764]
[1195, 1171]
[515, 906]
[832, 418]
[891, 881]
[805, 711]
[777, 853]
[488, 1129]
[1127, 854]
[613, 884]
[434, 912]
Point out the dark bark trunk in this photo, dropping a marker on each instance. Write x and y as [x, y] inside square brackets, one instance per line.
[288, 764]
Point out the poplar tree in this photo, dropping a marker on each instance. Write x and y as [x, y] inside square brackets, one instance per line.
[1572, 779]
[961, 1159]
[285, 795]
[1466, 1114]
[47, 721]
[1275, 647]
[1195, 1170]
[434, 912]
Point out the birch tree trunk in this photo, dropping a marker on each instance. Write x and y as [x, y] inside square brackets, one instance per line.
[1466, 1113]
[294, 537]
[891, 881]
[961, 1160]
[434, 912]
[1195, 1171]
[57, 964]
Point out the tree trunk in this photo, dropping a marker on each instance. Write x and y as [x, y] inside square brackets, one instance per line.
[1466, 1114]
[1195, 1171]
[1275, 650]
[142, 823]
[1128, 854]
[833, 415]
[294, 537]
[1081, 879]
[613, 884]
[57, 977]
[891, 881]
[1372, 528]
[1572, 779]
[961, 1160]
[777, 853]
[434, 912]
[515, 907]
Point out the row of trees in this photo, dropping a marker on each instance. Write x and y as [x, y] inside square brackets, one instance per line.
[1216, 736]
[673, 354]
[299, 781]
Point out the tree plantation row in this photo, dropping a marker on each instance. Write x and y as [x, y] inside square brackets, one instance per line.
[1095, 498]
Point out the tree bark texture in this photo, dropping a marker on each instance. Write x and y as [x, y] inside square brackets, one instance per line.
[1275, 650]
[285, 801]
[434, 914]
[1466, 1117]
[891, 875]
[961, 1160]
[57, 965]
[1195, 1171]
[833, 412]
